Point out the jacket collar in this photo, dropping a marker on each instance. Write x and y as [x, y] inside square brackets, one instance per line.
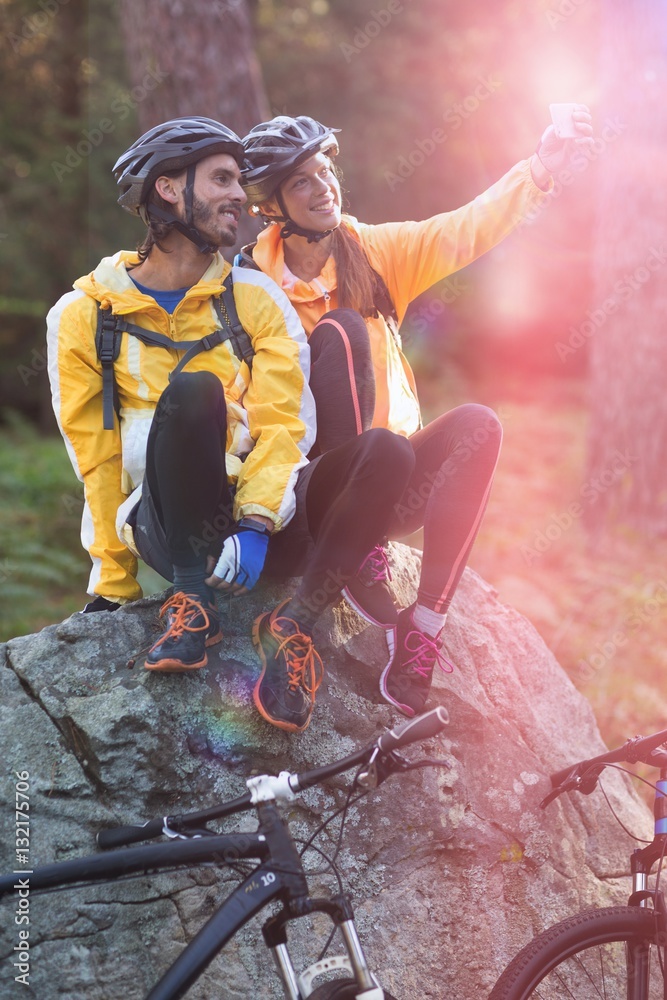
[269, 255]
[111, 284]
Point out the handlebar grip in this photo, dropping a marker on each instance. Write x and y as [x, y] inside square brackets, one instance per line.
[421, 728]
[119, 836]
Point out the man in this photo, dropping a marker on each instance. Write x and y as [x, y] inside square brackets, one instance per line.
[202, 459]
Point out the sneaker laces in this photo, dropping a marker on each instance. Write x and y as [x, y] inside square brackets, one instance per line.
[376, 565]
[304, 664]
[185, 610]
[427, 653]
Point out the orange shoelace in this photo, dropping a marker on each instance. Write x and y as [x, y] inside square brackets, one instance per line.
[185, 608]
[304, 664]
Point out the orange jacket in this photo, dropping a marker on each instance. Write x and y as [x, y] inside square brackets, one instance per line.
[410, 257]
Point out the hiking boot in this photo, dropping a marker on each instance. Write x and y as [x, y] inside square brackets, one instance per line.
[191, 627]
[292, 671]
[406, 681]
[369, 592]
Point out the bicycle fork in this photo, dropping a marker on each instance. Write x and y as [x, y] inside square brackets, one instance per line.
[299, 987]
[642, 861]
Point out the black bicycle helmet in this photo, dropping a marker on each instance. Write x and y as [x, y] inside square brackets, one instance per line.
[176, 144]
[173, 145]
[273, 150]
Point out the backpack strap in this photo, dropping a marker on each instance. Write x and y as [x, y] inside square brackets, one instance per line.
[244, 257]
[225, 307]
[107, 343]
[110, 329]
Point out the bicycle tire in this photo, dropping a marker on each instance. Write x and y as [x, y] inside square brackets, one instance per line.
[340, 989]
[585, 957]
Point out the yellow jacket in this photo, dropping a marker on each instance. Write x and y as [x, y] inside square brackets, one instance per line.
[410, 257]
[271, 413]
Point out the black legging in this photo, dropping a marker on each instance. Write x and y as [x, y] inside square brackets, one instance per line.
[185, 467]
[341, 378]
[455, 458]
[349, 500]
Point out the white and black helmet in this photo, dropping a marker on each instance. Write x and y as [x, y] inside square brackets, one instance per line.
[173, 145]
[273, 150]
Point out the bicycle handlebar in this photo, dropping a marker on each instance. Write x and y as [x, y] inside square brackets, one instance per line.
[285, 786]
[583, 775]
[120, 836]
[421, 728]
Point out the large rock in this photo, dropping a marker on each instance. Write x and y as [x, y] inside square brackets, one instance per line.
[452, 870]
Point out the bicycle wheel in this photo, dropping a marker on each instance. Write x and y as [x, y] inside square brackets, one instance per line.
[611, 953]
[340, 989]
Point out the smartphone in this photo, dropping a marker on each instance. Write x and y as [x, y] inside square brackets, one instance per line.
[561, 116]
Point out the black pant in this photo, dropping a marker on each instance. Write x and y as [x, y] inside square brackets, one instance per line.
[341, 378]
[346, 501]
[455, 455]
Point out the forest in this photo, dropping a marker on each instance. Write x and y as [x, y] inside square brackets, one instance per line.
[559, 328]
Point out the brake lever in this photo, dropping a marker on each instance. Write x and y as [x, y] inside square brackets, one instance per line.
[585, 784]
[413, 765]
[382, 766]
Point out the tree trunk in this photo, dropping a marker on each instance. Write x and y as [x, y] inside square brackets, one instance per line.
[627, 464]
[194, 58]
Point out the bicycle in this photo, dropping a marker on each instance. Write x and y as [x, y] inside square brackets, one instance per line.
[615, 952]
[279, 877]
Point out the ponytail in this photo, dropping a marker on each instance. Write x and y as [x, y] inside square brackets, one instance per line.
[355, 277]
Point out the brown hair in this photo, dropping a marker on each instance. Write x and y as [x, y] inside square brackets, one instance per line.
[354, 274]
[157, 230]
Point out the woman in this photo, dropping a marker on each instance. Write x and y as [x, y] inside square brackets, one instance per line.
[338, 272]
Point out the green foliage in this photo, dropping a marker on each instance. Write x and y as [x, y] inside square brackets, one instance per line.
[43, 569]
[62, 73]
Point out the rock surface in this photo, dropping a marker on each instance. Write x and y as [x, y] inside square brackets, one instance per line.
[452, 871]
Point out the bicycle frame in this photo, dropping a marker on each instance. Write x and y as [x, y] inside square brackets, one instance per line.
[641, 864]
[279, 876]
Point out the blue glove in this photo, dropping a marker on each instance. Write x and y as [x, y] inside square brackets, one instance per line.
[242, 558]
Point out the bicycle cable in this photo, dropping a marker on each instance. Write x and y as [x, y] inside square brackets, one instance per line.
[341, 809]
[308, 845]
[640, 840]
[631, 774]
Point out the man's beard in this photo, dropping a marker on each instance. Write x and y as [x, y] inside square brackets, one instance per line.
[203, 215]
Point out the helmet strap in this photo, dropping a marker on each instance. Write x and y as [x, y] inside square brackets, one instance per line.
[292, 229]
[188, 231]
[190, 194]
[186, 228]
